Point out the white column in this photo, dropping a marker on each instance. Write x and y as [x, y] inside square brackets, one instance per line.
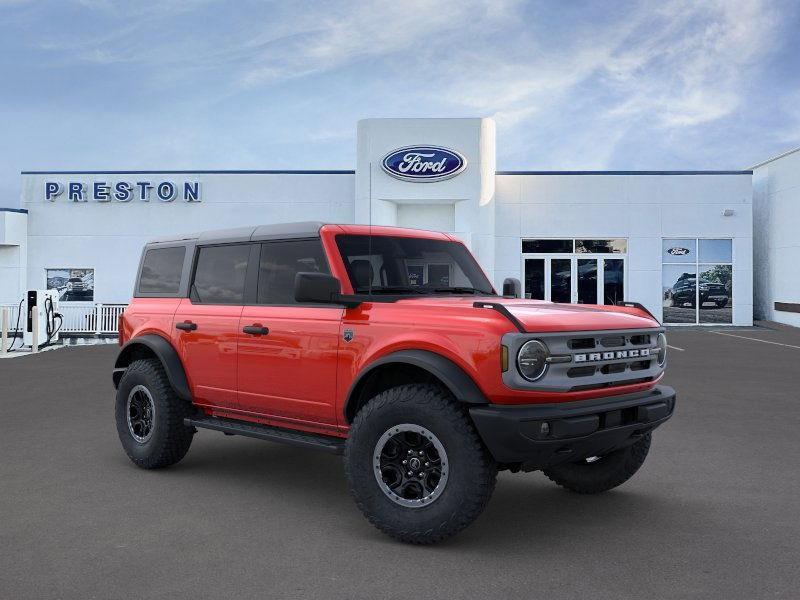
[98, 315]
[3, 330]
[35, 332]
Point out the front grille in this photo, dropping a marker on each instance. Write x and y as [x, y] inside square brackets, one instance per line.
[581, 371]
[608, 384]
[589, 360]
[581, 344]
[613, 368]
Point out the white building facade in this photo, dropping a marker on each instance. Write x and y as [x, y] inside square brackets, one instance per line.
[681, 243]
[776, 197]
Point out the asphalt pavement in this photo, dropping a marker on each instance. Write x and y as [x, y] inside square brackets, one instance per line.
[714, 512]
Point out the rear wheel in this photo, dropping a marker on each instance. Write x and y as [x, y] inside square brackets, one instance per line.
[150, 416]
[601, 473]
[416, 466]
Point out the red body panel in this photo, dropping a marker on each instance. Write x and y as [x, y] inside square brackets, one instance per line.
[148, 316]
[290, 374]
[209, 354]
[470, 337]
[301, 373]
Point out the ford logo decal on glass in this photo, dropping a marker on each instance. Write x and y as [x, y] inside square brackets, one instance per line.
[423, 163]
[678, 251]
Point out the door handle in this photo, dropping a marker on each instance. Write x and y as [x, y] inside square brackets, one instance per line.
[186, 326]
[255, 329]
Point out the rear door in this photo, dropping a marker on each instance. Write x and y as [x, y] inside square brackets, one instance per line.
[206, 324]
[288, 351]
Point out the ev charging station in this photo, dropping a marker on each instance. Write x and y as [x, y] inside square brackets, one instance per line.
[42, 319]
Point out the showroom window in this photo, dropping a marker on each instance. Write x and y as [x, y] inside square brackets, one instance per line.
[574, 270]
[73, 285]
[697, 281]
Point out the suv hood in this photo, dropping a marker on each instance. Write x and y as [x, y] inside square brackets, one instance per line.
[539, 316]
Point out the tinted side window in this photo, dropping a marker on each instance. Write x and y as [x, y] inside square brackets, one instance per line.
[161, 270]
[281, 261]
[220, 274]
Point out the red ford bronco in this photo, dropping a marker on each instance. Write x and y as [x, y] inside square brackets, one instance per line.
[389, 346]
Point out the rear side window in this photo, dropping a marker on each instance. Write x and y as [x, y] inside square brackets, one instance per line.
[281, 261]
[220, 274]
[161, 270]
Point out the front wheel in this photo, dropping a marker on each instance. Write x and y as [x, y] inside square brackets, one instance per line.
[601, 473]
[416, 466]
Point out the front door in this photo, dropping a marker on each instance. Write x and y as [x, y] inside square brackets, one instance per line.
[206, 325]
[288, 351]
[578, 279]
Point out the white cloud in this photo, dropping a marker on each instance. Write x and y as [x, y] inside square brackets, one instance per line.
[336, 34]
[672, 66]
[572, 85]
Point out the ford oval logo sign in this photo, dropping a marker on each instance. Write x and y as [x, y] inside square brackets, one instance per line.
[423, 163]
[678, 251]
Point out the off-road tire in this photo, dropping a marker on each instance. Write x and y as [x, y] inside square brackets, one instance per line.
[170, 439]
[472, 470]
[604, 474]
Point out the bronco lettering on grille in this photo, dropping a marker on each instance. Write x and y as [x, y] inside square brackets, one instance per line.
[618, 354]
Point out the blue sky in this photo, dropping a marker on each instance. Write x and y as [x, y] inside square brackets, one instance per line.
[194, 84]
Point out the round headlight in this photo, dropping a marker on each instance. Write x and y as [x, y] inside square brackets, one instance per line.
[531, 360]
[662, 349]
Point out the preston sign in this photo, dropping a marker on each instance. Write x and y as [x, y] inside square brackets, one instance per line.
[423, 163]
[123, 191]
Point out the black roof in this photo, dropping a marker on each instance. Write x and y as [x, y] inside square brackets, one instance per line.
[277, 231]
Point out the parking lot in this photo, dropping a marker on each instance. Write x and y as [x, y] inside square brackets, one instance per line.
[712, 514]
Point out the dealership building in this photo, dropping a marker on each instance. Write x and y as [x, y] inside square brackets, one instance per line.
[680, 243]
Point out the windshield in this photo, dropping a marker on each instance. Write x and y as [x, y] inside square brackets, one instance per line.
[407, 265]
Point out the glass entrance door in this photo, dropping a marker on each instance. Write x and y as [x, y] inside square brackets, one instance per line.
[574, 279]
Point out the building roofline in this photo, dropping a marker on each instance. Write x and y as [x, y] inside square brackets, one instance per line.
[781, 155]
[742, 172]
[346, 172]
[196, 172]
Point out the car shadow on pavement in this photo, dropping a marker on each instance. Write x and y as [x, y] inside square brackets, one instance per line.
[527, 511]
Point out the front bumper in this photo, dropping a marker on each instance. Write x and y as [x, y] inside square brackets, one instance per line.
[540, 436]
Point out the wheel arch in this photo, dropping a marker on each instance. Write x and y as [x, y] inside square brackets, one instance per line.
[410, 366]
[154, 346]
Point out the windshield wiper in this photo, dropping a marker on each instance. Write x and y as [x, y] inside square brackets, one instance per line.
[394, 289]
[462, 290]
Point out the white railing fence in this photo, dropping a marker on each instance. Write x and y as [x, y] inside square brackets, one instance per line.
[96, 318]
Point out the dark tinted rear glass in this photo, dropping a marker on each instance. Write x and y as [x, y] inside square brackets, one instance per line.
[280, 262]
[547, 246]
[220, 273]
[161, 270]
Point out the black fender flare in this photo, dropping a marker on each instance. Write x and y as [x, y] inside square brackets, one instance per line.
[445, 370]
[166, 354]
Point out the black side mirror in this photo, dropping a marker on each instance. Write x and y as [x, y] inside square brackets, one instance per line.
[512, 287]
[319, 288]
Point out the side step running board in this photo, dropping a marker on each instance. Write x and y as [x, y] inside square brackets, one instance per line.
[326, 443]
